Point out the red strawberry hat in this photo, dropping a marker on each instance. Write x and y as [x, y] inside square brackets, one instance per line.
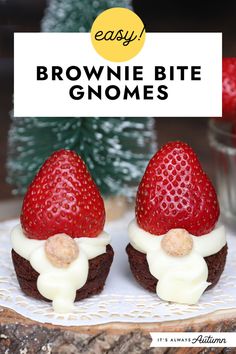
[229, 88]
[63, 198]
[176, 193]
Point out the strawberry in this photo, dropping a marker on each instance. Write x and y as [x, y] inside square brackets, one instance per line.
[176, 193]
[62, 199]
[229, 88]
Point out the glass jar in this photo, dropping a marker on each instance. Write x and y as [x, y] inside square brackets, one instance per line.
[223, 145]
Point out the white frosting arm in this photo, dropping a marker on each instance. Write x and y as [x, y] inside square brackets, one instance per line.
[142, 240]
[22, 244]
[95, 246]
[211, 243]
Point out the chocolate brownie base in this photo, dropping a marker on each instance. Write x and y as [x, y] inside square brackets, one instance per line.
[98, 271]
[140, 270]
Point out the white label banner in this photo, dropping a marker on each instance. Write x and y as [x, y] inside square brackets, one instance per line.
[60, 74]
[193, 339]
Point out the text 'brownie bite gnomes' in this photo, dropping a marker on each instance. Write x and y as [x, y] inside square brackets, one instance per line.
[175, 247]
[60, 251]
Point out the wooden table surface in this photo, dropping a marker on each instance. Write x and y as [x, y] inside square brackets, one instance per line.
[21, 335]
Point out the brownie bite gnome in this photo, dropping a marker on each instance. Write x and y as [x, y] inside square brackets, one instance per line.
[176, 249]
[60, 251]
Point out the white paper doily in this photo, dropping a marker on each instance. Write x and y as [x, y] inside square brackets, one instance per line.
[122, 299]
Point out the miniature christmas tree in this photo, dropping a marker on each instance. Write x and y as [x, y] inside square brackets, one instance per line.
[116, 150]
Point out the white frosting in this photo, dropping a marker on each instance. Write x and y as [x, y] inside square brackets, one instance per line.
[205, 245]
[180, 279]
[59, 284]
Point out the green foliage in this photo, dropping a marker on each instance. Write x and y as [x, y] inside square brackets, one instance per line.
[76, 15]
[116, 150]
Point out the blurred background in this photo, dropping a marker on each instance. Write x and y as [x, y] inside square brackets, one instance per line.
[160, 16]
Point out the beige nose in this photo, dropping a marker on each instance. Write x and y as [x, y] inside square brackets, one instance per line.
[177, 242]
[61, 250]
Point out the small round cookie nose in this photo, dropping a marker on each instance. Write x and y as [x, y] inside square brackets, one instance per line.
[177, 242]
[61, 250]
